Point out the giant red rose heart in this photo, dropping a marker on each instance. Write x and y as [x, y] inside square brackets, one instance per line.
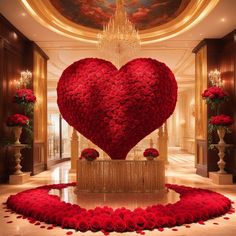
[113, 108]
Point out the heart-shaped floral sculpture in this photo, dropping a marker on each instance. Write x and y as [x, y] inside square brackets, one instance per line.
[113, 108]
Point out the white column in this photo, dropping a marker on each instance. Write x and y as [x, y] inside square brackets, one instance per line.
[163, 142]
[74, 151]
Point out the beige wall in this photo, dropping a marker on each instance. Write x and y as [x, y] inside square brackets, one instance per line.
[181, 125]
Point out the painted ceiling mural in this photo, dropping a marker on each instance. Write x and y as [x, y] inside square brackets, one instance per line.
[145, 14]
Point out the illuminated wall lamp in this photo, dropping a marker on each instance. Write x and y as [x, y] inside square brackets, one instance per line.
[215, 78]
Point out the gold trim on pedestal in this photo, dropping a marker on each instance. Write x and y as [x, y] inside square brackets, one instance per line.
[44, 12]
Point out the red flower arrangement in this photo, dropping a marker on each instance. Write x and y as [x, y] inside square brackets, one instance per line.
[89, 154]
[215, 94]
[24, 96]
[221, 121]
[151, 152]
[17, 120]
[113, 108]
[195, 205]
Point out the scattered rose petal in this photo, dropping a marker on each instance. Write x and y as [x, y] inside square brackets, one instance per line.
[215, 223]
[50, 227]
[187, 226]
[32, 221]
[42, 226]
[201, 222]
[6, 216]
[69, 233]
[19, 217]
[9, 222]
[174, 229]
[226, 218]
[38, 223]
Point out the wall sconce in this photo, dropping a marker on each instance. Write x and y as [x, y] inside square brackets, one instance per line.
[24, 81]
[215, 78]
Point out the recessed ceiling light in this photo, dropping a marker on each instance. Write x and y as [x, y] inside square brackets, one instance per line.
[23, 14]
[222, 19]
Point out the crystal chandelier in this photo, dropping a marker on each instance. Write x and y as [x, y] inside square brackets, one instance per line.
[119, 41]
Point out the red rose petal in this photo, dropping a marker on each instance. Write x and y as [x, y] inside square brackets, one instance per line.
[38, 223]
[9, 222]
[69, 233]
[6, 216]
[215, 223]
[201, 222]
[187, 226]
[50, 227]
[19, 217]
[226, 218]
[174, 229]
[42, 226]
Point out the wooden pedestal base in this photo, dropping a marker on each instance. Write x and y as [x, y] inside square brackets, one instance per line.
[19, 179]
[221, 179]
[120, 175]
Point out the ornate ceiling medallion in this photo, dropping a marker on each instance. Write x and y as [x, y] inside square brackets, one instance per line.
[156, 20]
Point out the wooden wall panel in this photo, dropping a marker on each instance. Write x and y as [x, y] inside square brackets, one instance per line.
[221, 54]
[40, 109]
[12, 44]
[17, 54]
[227, 65]
[201, 83]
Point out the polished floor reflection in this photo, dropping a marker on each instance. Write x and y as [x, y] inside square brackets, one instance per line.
[116, 200]
[180, 170]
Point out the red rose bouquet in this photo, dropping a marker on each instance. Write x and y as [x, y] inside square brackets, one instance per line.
[151, 152]
[89, 154]
[220, 121]
[24, 96]
[214, 96]
[17, 120]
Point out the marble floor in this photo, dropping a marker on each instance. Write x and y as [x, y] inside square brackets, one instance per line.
[180, 170]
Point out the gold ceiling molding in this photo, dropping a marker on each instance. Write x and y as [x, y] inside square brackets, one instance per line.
[44, 12]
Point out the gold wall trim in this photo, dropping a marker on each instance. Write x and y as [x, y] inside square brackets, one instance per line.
[44, 12]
